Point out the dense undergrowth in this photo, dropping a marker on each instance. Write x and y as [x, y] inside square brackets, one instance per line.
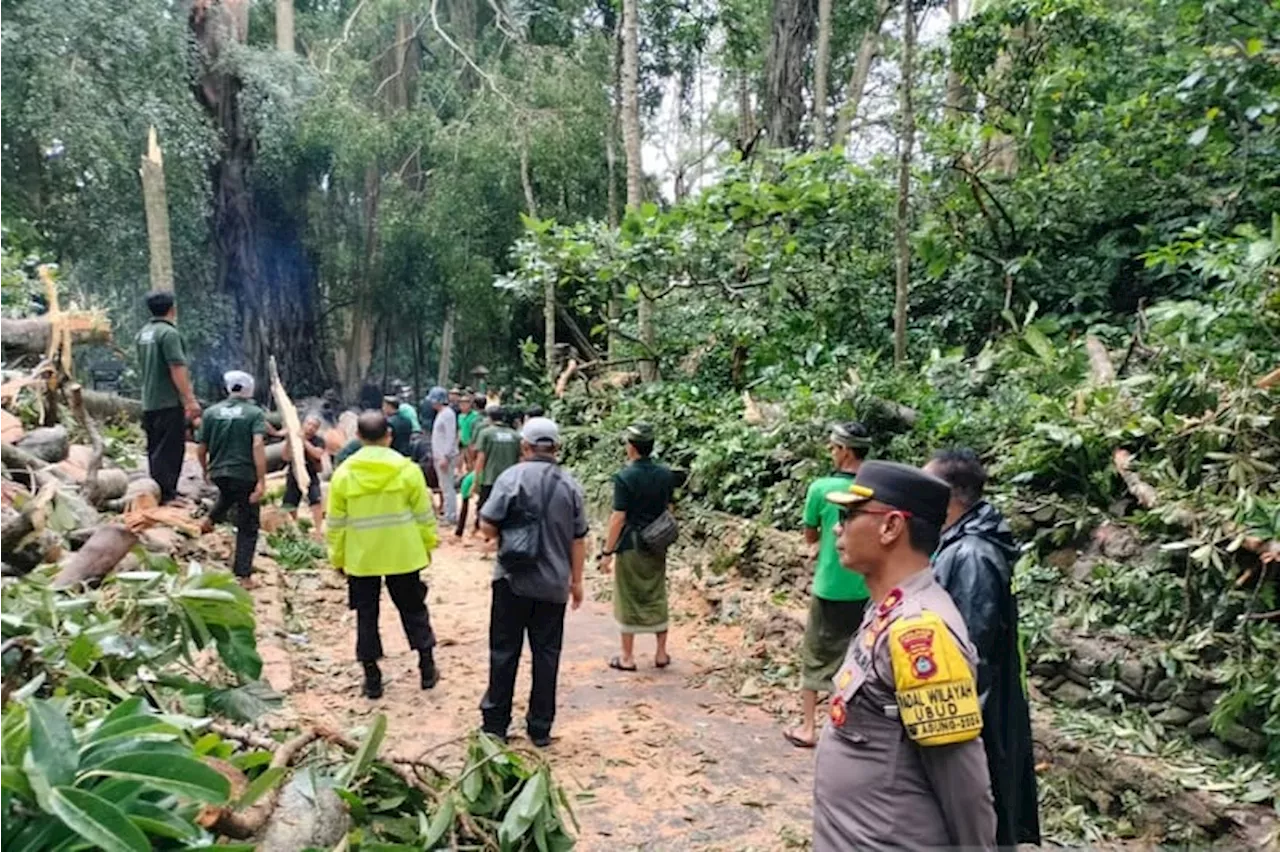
[1184, 404]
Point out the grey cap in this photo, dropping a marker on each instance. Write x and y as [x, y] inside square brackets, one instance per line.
[438, 394]
[540, 430]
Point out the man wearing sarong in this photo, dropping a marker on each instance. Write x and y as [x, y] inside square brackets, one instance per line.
[838, 597]
[642, 491]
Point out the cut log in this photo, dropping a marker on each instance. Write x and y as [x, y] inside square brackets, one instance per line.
[33, 335]
[110, 406]
[292, 427]
[1141, 491]
[11, 429]
[1104, 372]
[276, 457]
[143, 493]
[28, 516]
[20, 462]
[100, 555]
[49, 444]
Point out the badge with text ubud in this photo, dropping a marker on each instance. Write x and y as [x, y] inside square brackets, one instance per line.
[937, 697]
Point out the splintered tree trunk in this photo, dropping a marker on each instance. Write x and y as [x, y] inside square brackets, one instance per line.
[548, 286]
[867, 50]
[821, 70]
[284, 26]
[631, 141]
[156, 205]
[790, 35]
[905, 143]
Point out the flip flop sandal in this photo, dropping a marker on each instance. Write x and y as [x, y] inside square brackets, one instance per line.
[616, 663]
[796, 741]
[663, 664]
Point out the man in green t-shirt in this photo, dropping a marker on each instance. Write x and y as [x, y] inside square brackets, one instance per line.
[499, 449]
[233, 455]
[469, 419]
[167, 400]
[839, 596]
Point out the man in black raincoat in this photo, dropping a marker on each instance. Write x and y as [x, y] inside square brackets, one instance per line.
[974, 563]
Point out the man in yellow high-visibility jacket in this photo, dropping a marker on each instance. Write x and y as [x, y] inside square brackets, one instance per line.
[380, 525]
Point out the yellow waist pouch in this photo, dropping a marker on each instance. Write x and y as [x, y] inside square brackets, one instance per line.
[937, 696]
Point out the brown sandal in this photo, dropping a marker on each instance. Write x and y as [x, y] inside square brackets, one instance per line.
[798, 742]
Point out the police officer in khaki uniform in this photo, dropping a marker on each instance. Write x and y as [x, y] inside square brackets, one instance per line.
[901, 763]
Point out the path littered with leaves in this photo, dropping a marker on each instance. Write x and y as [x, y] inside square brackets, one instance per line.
[651, 760]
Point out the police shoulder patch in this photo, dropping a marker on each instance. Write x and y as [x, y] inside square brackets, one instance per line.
[937, 696]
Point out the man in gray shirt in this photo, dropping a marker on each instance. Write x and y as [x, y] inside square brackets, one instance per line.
[444, 450]
[529, 596]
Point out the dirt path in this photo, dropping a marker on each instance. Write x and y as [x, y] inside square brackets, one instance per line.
[652, 760]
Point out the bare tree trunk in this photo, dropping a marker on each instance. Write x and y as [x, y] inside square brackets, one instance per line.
[631, 141]
[955, 91]
[867, 50]
[611, 164]
[446, 348]
[790, 34]
[821, 70]
[284, 26]
[906, 142]
[156, 204]
[746, 114]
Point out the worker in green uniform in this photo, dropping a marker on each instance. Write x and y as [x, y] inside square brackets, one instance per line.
[642, 491]
[839, 597]
[901, 762]
[499, 449]
[233, 456]
[167, 399]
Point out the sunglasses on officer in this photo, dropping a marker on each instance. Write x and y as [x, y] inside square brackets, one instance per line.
[848, 513]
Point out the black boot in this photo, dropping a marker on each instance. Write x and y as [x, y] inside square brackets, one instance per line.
[427, 665]
[372, 681]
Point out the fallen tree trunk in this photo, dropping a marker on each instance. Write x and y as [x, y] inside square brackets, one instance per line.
[100, 555]
[31, 336]
[1112, 778]
[110, 406]
[18, 460]
[49, 444]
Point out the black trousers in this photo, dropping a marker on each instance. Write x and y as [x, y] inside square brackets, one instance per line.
[166, 430]
[511, 616]
[408, 593]
[234, 493]
[485, 491]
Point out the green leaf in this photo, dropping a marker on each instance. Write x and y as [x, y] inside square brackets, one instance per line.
[14, 780]
[53, 745]
[182, 776]
[246, 702]
[366, 753]
[1253, 47]
[261, 785]
[440, 822]
[161, 822]
[132, 726]
[523, 811]
[1197, 137]
[239, 650]
[97, 820]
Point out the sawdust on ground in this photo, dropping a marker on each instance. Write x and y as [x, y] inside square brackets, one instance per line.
[655, 760]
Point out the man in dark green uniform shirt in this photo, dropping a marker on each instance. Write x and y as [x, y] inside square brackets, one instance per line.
[401, 428]
[499, 449]
[167, 400]
[234, 456]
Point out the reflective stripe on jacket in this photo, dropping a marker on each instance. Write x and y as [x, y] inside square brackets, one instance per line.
[379, 515]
